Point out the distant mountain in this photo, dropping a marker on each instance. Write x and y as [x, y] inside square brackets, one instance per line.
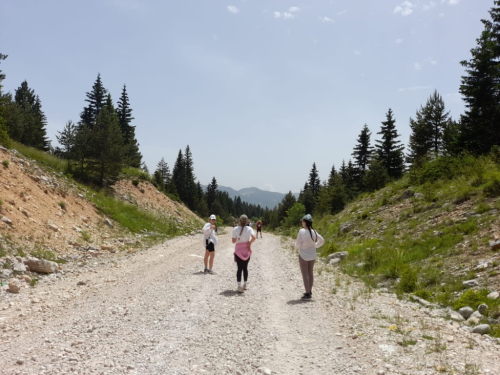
[254, 195]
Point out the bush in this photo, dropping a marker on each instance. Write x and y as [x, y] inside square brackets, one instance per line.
[492, 187]
[135, 182]
[5, 163]
[471, 298]
[408, 281]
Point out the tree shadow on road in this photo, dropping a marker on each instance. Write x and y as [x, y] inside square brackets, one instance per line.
[299, 301]
[230, 293]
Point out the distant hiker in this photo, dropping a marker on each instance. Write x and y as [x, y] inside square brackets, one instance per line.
[259, 228]
[210, 242]
[243, 236]
[308, 240]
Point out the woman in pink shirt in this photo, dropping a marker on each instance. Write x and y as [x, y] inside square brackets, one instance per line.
[243, 236]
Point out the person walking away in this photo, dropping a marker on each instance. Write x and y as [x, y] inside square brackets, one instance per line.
[208, 233]
[243, 237]
[259, 228]
[308, 240]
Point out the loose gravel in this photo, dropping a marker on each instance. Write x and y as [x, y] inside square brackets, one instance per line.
[156, 312]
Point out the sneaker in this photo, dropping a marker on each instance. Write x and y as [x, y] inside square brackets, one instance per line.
[306, 296]
[210, 272]
[245, 286]
[206, 270]
[240, 289]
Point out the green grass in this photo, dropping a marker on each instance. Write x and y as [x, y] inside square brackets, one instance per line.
[130, 217]
[42, 157]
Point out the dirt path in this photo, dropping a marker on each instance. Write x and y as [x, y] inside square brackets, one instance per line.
[157, 313]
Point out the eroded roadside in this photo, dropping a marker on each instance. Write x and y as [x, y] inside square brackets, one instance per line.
[155, 312]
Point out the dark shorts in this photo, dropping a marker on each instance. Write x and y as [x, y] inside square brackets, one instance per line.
[209, 246]
[259, 230]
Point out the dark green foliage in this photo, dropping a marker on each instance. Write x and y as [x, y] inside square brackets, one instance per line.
[492, 187]
[4, 136]
[132, 156]
[106, 155]
[471, 298]
[27, 122]
[427, 129]
[314, 181]
[389, 149]
[66, 139]
[287, 203]
[162, 176]
[376, 176]
[96, 99]
[480, 125]
[211, 195]
[362, 153]
[408, 281]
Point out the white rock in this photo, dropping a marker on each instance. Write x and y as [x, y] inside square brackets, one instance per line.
[14, 285]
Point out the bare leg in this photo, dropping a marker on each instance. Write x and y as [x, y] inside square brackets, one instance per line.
[205, 261]
[211, 259]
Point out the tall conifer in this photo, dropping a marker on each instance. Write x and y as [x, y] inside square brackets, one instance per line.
[389, 149]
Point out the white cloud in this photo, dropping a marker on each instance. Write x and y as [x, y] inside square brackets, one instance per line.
[288, 16]
[277, 14]
[406, 8]
[326, 19]
[232, 9]
[356, 52]
[417, 66]
[414, 88]
[431, 61]
[453, 2]
[432, 4]
[294, 9]
[342, 12]
[269, 187]
[398, 41]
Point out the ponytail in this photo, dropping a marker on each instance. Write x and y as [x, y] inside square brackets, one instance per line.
[309, 225]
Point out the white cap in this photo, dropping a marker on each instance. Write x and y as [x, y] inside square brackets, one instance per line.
[212, 217]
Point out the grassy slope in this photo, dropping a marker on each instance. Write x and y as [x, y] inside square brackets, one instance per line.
[430, 243]
[127, 215]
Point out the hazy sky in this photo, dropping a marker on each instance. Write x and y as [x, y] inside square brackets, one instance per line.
[259, 89]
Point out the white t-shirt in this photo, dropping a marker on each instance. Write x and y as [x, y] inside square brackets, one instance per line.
[207, 231]
[307, 245]
[246, 235]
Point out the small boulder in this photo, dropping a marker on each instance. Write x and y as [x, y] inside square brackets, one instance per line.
[6, 220]
[41, 265]
[470, 283]
[455, 316]
[108, 223]
[475, 317]
[466, 311]
[340, 255]
[482, 308]
[14, 286]
[334, 261]
[407, 194]
[346, 227]
[493, 295]
[482, 329]
[495, 245]
[54, 227]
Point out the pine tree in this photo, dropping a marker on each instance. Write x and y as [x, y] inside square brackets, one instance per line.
[332, 176]
[314, 181]
[363, 151]
[30, 130]
[179, 176]
[376, 176]
[96, 99]
[287, 202]
[4, 137]
[480, 125]
[66, 139]
[132, 155]
[163, 173]
[189, 184]
[106, 156]
[427, 129]
[390, 150]
[211, 195]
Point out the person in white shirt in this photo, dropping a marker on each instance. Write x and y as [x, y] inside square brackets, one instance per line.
[243, 236]
[308, 240]
[209, 237]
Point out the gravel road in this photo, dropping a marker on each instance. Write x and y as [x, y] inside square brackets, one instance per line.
[155, 312]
